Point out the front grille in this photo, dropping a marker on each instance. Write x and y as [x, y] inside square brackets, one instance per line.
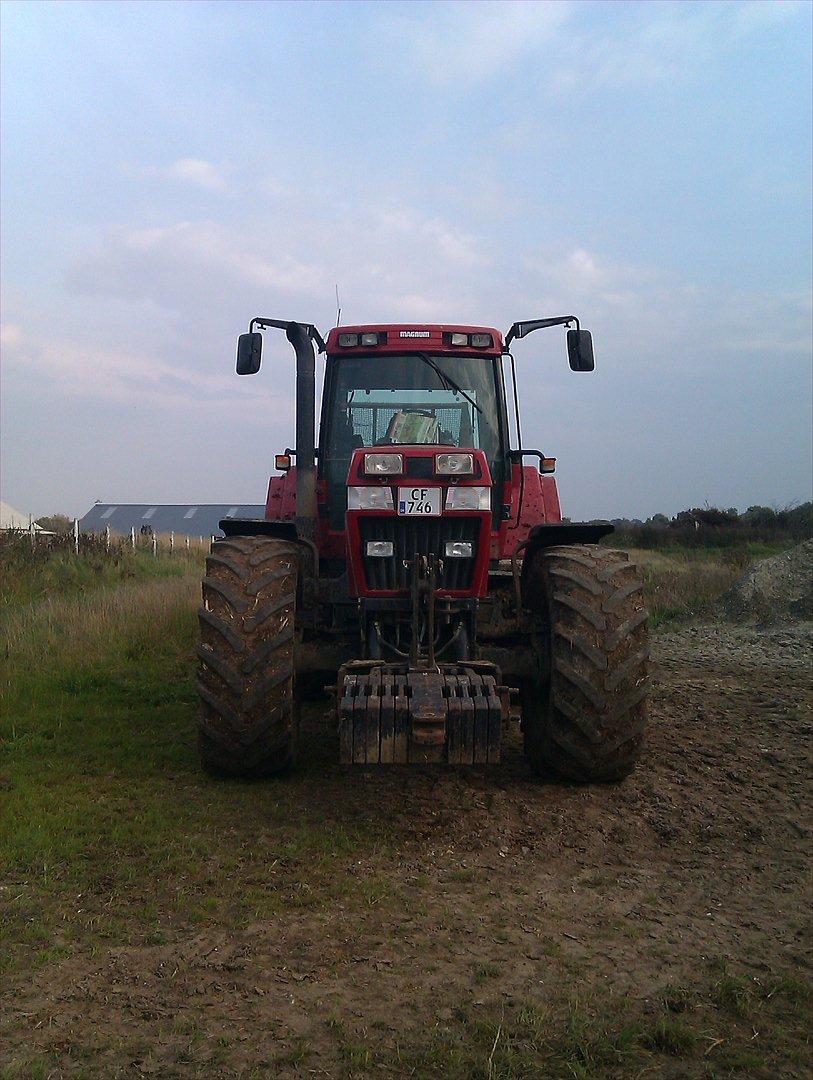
[421, 535]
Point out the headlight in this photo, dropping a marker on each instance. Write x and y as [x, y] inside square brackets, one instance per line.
[459, 549]
[383, 464]
[369, 498]
[468, 498]
[454, 464]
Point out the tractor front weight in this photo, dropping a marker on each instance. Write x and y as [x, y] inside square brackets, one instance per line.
[415, 709]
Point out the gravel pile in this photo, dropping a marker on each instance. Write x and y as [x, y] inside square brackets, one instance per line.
[779, 589]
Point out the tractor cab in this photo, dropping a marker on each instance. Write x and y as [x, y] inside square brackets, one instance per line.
[399, 386]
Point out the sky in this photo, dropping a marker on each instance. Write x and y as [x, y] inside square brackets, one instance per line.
[170, 170]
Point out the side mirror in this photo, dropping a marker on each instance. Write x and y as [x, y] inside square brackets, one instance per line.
[580, 350]
[249, 353]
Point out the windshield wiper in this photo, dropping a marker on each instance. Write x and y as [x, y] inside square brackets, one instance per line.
[446, 380]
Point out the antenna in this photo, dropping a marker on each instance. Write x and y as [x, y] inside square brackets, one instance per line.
[338, 307]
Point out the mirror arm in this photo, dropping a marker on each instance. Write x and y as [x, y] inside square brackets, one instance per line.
[262, 323]
[527, 326]
[516, 456]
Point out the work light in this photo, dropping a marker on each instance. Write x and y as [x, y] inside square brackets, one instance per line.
[383, 464]
[369, 339]
[454, 464]
[460, 339]
[348, 340]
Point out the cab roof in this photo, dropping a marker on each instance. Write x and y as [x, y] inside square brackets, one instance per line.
[414, 337]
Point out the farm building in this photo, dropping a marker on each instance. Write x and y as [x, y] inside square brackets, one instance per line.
[12, 520]
[201, 519]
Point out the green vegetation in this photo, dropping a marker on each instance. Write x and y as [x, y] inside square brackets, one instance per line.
[684, 585]
[97, 703]
[110, 835]
[49, 569]
[101, 784]
[709, 1035]
[758, 528]
[57, 523]
[690, 561]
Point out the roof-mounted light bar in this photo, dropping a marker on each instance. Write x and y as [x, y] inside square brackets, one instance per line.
[475, 341]
[366, 340]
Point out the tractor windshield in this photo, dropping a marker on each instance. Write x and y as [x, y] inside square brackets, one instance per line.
[395, 400]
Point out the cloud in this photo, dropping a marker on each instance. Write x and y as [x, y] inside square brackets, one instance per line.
[389, 260]
[11, 335]
[87, 371]
[645, 319]
[463, 43]
[185, 289]
[191, 171]
[660, 42]
[179, 267]
[392, 262]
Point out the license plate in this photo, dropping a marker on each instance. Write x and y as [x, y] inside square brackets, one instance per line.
[419, 501]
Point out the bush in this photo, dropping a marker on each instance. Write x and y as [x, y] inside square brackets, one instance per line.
[56, 523]
[714, 528]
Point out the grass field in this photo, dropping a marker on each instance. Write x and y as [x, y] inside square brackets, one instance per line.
[685, 584]
[113, 843]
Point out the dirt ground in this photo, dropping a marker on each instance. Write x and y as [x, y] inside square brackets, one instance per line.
[493, 892]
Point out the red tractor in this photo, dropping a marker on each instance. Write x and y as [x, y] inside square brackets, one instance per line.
[416, 555]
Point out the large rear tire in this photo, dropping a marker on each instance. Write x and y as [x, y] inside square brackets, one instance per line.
[584, 715]
[247, 723]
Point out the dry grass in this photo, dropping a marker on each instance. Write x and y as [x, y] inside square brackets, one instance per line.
[54, 570]
[687, 585]
[73, 630]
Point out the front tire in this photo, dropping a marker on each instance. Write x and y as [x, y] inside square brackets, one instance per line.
[584, 715]
[247, 724]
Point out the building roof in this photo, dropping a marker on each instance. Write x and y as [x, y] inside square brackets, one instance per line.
[15, 519]
[189, 519]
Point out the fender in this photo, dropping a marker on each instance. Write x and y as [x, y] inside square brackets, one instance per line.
[552, 534]
[556, 535]
[308, 580]
[282, 530]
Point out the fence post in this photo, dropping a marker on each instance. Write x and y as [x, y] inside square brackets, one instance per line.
[154, 544]
[187, 543]
[200, 540]
[132, 536]
[76, 535]
[107, 537]
[31, 530]
[172, 543]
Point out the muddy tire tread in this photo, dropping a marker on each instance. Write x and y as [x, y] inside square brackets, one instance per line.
[585, 718]
[247, 722]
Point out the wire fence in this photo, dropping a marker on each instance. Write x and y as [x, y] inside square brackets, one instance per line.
[76, 541]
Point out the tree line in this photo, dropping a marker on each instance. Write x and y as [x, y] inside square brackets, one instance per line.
[714, 527]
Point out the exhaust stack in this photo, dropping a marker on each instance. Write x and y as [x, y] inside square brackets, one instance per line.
[249, 354]
[300, 337]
